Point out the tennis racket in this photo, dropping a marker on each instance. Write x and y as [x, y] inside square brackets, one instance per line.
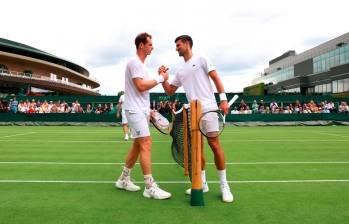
[160, 122]
[212, 123]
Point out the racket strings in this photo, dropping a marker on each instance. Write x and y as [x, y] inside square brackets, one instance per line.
[211, 124]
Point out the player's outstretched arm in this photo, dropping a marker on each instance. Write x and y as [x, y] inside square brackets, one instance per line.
[169, 89]
[143, 85]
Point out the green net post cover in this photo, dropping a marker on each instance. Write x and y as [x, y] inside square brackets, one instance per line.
[197, 197]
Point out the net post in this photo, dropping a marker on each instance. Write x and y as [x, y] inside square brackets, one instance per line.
[197, 196]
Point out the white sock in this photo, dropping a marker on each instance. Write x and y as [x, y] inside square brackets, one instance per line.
[126, 136]
[148, 180]
[126, 172]
[203, 176]
[222, 176]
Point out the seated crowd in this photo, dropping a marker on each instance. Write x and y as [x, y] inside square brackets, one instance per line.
[166, 106]
[292, 108]
[33, 106]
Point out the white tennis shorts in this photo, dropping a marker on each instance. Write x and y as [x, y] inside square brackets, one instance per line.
[123, 117]
[210, 123]
[138, 121]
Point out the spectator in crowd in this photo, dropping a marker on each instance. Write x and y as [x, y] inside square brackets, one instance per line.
[343, 107]
[313, 107]
[297, 107]
[255, 106]
[331, 107]
[261, 104]
[291, 108]
[273, 105]
[31, 108]
[88, 108]
[3, 106]
[300, 110]
[99, 109]
[261, 108]
[235, 111]
[275, 110]
[242, 105]
[38, 105]
[66, 109]
[288, 110]
[176, 105]
[248, 110]
[21, 107]
[307, 110]
[106, 109]
[14, 105]
[54, 108]
[111, 107]
[78, 107]
[50, 105]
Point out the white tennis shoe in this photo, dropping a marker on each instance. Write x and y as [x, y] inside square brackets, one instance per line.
[227, 196]
[204, 188]
[127, 184]
[156, 192]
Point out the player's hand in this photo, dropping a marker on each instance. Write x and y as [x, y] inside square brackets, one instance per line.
[118, 115]
[152, 114]
[224, 106]
[162, 69]
[165, 75]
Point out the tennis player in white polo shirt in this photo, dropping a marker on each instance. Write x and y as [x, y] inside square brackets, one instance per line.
[194, 76]
[137, 109]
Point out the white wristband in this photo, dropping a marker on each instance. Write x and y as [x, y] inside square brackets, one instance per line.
[159, 79]
[222, 96]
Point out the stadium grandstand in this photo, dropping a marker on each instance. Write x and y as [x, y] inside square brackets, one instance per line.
[311, 86]
[321, 70]
[25, 70]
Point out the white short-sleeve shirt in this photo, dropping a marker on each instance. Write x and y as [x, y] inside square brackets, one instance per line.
[122, 101]
[135, 100]
[194, 78]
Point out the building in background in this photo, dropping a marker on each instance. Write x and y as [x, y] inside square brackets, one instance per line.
[321, 70]
[27, 70]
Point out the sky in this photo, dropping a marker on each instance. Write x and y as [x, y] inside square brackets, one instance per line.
[239, 37]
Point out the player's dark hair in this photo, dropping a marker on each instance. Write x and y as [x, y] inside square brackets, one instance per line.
[185, 38]
[142, 38]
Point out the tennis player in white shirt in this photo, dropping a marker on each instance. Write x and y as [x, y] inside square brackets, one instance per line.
[123, 115]
[195, 76]
[137, 109]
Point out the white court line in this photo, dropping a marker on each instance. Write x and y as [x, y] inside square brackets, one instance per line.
[170, 140]
[170, 182]
[172, 163]
[330, 134]
[8, 136]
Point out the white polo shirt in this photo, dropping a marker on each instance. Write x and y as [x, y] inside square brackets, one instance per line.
[135, 100]
[122, 101]
[194, 78]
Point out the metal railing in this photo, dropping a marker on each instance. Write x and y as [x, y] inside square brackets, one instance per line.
[5, 72]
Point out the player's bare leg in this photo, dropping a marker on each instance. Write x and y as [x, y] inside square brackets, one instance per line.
[220, 165]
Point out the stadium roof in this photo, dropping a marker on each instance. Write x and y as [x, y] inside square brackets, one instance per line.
[22, 49]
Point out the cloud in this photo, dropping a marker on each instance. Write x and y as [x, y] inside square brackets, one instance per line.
[239, 37]
[109, 53]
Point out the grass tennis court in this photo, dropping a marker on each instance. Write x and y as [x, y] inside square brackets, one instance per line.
[66, 174]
